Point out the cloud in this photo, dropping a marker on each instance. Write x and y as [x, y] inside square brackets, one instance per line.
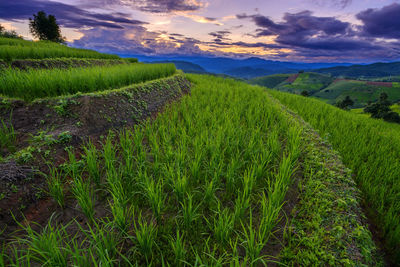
[220, 35]
[137, 40]
[67, 15]
[305, 30]
[382, 22]
[167, 6]
[333, 3]
[328, 38]
[152, 6]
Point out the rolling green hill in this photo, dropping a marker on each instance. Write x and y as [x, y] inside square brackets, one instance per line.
[328, 89]
[270, 81]
[367, 71]
[360, 91]
[294, 83]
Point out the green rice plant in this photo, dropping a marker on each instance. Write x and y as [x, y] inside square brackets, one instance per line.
[103, 244]
[40, 83]
[252, 243]
[179, 184]
[145, 237]
[8, 138]
[109, 153]
[209, 193]
[223, 225]
[242, 203]
[178, 247]
[83, 193]
[155, 197]
[189, 212]
[55, 183]
[73, 165]
[92, 163]
[48, 248]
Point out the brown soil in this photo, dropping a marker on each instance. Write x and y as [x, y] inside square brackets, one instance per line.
[292, 78]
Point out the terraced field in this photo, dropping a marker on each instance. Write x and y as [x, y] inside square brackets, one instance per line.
[139, 165]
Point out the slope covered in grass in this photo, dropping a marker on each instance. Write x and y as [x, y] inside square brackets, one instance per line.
[270, 81]
[372, 149]
[359, 91]
[33, 84]
[21, 49]
[311, 82]
[204, 184]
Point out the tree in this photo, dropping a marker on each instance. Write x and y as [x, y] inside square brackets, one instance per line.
[45, 27]
[305, 93]
[381, 109]
[345, 103]
[8, 34]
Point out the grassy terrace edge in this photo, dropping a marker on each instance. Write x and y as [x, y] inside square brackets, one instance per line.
[83, 114]
[327, 225]
[33, 84]
[371, 148]
[11, 49]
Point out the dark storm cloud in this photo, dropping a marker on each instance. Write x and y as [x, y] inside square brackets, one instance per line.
[305, 30]
[152, 6]
[220, 35]
[382, 22]
[67, 15]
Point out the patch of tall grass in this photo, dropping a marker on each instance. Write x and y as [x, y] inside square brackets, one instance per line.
[371, 148]
[22, 49]
[40, 83]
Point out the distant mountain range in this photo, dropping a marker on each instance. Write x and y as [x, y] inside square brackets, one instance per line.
[239, 68]
[257, 67]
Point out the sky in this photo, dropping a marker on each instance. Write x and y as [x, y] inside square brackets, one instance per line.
[285, 30]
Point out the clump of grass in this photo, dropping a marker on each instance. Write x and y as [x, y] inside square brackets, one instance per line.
[40, 83]
[55, 183]
[178, 247]
[83, 192]
[145, 235]
[92, 163]
[8, 137]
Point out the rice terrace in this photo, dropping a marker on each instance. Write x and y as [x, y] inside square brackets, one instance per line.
[110, 158]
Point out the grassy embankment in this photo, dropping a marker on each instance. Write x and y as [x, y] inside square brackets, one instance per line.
[33, 84]
[21, 49]
[369, 147]
[359, 91]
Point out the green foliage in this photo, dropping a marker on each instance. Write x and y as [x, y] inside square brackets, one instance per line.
[11, 48]
[8, 138]
[369, 147]
[8, 34]
[305, 93]
[381, 110]
[34, 84]
[45, 27]
[345, 103]
[55, 183]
